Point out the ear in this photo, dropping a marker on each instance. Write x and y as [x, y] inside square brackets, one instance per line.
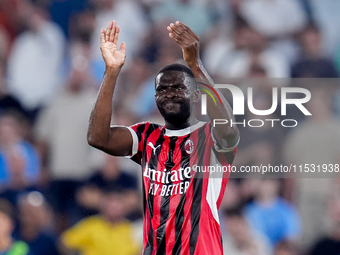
[197, 95]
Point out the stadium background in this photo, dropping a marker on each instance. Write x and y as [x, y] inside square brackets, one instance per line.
[50, 71]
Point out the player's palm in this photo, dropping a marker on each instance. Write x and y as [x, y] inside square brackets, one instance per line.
[109, 39]
[187, 39]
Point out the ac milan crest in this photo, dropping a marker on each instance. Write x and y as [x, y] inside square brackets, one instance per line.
[189, 146]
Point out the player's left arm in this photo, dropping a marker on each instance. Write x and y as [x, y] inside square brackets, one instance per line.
[226, 135]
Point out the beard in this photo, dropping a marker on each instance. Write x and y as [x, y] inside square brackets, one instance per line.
[176, 118]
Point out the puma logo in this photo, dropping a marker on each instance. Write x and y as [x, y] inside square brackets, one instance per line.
[153, 147]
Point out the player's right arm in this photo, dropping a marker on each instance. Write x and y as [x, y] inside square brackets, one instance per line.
[113, 140]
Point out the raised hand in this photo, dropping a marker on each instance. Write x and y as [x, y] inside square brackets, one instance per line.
[188, 41]
[109, 39]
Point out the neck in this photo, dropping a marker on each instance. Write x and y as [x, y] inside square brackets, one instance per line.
[182, 125]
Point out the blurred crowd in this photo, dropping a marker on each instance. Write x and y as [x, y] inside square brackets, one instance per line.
[59, 196]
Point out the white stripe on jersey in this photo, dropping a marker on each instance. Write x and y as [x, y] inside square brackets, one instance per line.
[214, 187]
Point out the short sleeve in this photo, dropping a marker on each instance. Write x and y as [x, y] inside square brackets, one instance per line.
[140, 133]
[223, 147]
[224, 154]
[135, 141]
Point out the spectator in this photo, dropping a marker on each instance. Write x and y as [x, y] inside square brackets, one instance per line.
[61, 11]
[325, 14]
[35, 219]
[300, 149]
[81, 28]
[260, 145]
[275, 18]
[8, 102]
[232, 196]
[132, 22]
[195, 14]
[278, 20]
[219, 47]
[106, 234]
[19, 160]
[330, 244]
[250, 48]
[138, 86]
[8, 245]
[271, 215]
[240, 239]
[312, 62]
[60, 132]
[35, 61]
[110, 175]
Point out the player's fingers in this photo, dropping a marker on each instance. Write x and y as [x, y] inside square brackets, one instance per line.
[175, 34]
[115, 41]
[122, 48]
[175, 29]
[113, 31]
[108, 31]
[182, 32]
[180, 39]
[187, 29]
[180, 26]
[171, 35]
[179, 35]
[102, 35]
[175, 38]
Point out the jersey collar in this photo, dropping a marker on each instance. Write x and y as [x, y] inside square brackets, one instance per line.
[184, 131]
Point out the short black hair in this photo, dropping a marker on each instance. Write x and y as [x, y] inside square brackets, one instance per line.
[177, 67]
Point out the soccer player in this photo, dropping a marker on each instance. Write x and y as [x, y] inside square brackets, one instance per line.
[180, 201]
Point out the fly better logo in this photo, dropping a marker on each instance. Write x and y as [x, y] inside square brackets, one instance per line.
[168, 182]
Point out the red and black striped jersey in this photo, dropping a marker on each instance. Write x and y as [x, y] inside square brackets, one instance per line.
[180, 203]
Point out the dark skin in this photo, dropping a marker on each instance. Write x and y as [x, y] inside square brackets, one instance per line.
[189, 43]
[174, 92]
